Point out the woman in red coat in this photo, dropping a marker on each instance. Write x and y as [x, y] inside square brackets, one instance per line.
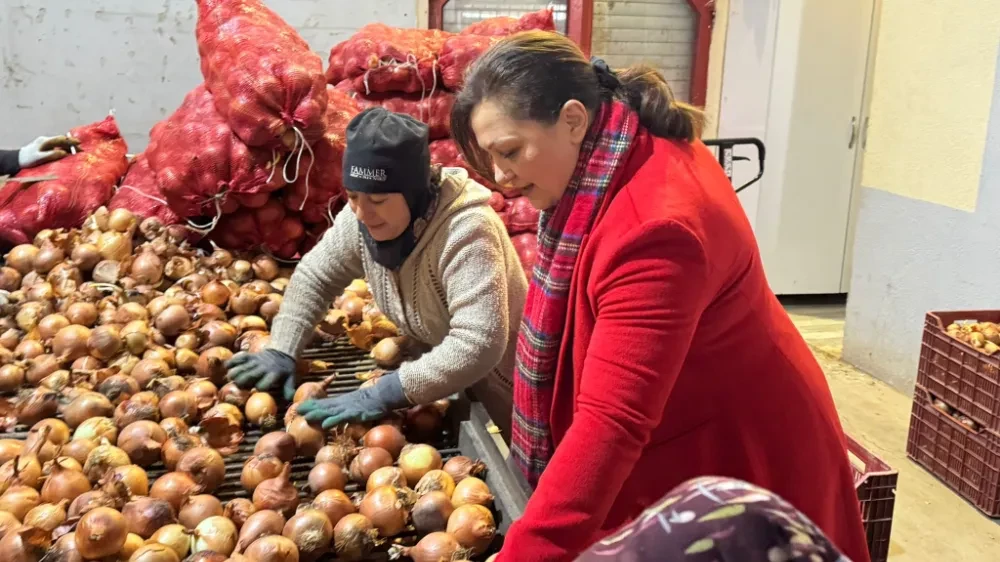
[652, 349]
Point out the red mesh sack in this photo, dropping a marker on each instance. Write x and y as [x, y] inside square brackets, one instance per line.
[140, 194]
[458, 53]
[321, 182]
[433, 110]
[84, 181]
[505, 25]
[271, 228]
[201, 166]
[313, 233]
[526, 247]
[380, 58]
[522, 217]
[446, 153]
[266, 81]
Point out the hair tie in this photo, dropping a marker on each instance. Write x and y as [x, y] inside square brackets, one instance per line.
[605, 76]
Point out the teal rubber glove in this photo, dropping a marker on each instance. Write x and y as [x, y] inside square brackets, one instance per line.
[264, 371]
[366, 404]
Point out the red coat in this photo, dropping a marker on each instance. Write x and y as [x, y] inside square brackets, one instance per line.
[680, 362]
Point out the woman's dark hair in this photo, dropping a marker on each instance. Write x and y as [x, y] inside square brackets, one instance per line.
[534, 73]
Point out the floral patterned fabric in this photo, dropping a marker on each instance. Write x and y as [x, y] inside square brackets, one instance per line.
[716, 519]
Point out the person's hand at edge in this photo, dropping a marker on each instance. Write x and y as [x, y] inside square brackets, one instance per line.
[46, 149]
[365, 404]
[263, 371]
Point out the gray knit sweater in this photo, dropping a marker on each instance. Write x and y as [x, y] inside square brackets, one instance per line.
[460, 293]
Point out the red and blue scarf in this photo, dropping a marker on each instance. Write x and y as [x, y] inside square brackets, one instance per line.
[561, 229]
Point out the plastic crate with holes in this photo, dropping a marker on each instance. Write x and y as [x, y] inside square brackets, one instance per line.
[875, 482]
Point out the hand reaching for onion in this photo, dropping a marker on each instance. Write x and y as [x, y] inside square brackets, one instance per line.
[264, 371]
[365, 404]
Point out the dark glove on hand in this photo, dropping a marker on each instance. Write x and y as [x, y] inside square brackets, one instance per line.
[366, 404]
[263, 371]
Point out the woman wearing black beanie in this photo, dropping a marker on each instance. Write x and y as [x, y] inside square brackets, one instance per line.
[439, 265]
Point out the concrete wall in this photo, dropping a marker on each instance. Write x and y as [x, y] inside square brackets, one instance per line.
[927, 227]
[64, 62]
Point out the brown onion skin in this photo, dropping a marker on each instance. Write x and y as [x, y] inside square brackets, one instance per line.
[198, 508]
[387, 437]
[64, 484]
[340, 452]
[473, 527]
[277, 443]
[310, 530]
[259, 468]
[335, 504]
[47, 516]
[368, 461]
[260, 524]
[277, 493]
[273, 548]
[90, 405]
[327, 476]
[206, 466]
[385, 510]
[146, 515]
[460, 467]
[91, 500]
[418, 460]
[25, 544]
[261, 409]
[354, 537]
[472, 491]
[232, 394]
[386, 476]
[101, 532]
[180, 404]
[238, 510]
[435, 547]
[79, 449]
[431, 512]
[18, 500]
[174, 487]
[211, 364]
[308, 438]
[154, 552]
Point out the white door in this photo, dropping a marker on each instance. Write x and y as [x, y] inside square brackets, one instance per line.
[814, 121]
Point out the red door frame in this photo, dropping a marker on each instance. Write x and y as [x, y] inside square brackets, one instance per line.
[580, 25]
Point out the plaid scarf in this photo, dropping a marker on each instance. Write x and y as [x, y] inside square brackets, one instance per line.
[560, 232]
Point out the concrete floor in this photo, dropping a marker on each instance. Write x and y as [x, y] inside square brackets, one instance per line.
[930, 522]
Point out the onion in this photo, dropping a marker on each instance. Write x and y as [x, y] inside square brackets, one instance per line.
[238, 510]
[22, 258]
[311, 531]
[89, 501]
[436, 481]
[173, 320]
[180, 404]
[277, 443]
[206, 467]
[232, 394]
[23, 470]
[387, 353]
[461, 467]
[341, 452]
[472, 490]
[473, 527]
[18, 500]
[79, 449]
[7, 523]
[47, 516]
[125, 362]
[25, 544]
[37, 406]
[67, 462]
[85, 256]
[10, 279]
[41, 292]
[41, 367]
[102, 459]
[121, 220]
[146, 515]
[57, 381]
[241, 271]
[215, 293]
[209, 312]
[28, 349]
[142, 441]
[174, 487]
[435, 547]
[175, 537]
[50, 325]
[249, 323]
[327, 476]
[270, 307]
[205, 392]
[174, 426]
[87, 406]
[384, 507]
[312, 390]
[154, 552]
[147, 268]
[58, 431]
[354, 308]
[131, 312]
[260, 524]
[118, 388]
[418, 460]
[175, 447]
[273, 548]
[64, 483]
[11, 377]
[178, 267]
[431, 512]
[259, 468]
[368, 461]
[29, 315]
[47, 258]
[187, 360]
[10, 338]
[212, 364]
[165, 385]
[245, 301]
[82, 314]
[96, 429]
[132, 410]
[101, 532]
[134, 478]
[10, 448]
[387, 437]
[114, 246]
[188, 340]
[70, 343]
[215, 534]
[108, 271]
[277, 493]
[219, 333]
[385, 476]
[133, 542]
[199, 508]
[308, 439]
[354, 537]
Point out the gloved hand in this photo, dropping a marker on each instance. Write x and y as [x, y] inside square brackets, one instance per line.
[45, 149]
[263, 371]
[366, 404]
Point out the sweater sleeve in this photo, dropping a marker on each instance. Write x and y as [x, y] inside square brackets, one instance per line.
[320, 276]
[649, 298]
[9, 164]
[474, 277]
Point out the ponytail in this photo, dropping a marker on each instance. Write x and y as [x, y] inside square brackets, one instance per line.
[648, 93]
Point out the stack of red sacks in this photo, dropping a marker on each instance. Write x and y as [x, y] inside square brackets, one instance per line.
[416, 72]
[252, 158]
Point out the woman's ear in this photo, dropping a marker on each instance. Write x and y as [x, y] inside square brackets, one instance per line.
[574, 114]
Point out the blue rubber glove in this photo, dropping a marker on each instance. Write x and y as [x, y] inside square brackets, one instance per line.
[366, 404]
[263, 371]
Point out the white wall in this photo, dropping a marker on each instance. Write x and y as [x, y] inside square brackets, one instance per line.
[68, 62]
